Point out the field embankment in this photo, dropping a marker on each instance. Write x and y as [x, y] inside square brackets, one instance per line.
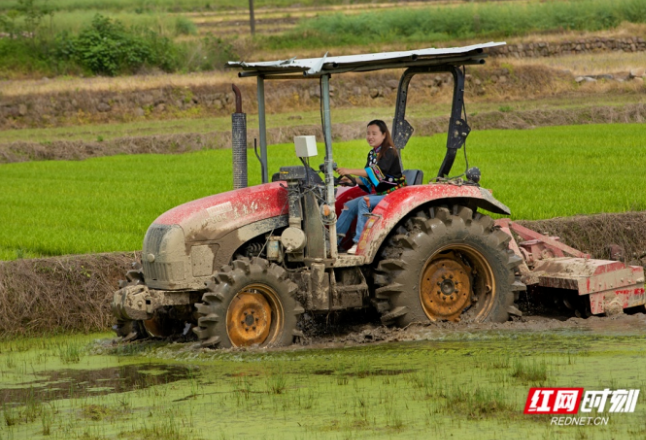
[24, 151]
[59, 294]
[76, 105]
[73, 293]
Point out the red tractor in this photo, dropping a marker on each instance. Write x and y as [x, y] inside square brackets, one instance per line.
[241, 267]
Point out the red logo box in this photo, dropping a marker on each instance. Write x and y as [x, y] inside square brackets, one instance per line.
[553, 400]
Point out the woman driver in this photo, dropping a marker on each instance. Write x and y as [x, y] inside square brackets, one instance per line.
[381, 175]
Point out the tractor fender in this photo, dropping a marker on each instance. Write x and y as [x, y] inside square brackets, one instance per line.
[398, 204]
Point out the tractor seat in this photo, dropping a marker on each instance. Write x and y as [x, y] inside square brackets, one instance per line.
[413, 177]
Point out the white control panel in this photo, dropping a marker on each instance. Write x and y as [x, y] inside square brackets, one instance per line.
[305, 146]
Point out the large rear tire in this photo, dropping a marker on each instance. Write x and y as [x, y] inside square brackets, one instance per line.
[447, 265]
[250, 303]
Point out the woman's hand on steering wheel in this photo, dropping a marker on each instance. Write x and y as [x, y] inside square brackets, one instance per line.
[344, 181]
[344, 178]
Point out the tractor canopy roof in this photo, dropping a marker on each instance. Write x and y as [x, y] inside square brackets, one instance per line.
[316, 67]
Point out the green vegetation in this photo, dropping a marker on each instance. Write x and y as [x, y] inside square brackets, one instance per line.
[39, 41]
[448, 386]
[144, 6]
[107, 48]
[41, 34]
[106, 204]
[70, 352]
[465, 21]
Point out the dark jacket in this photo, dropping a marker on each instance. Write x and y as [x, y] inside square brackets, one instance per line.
[384, 175]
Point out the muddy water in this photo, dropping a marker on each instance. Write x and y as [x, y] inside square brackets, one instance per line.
[71, 383]
[467, 381]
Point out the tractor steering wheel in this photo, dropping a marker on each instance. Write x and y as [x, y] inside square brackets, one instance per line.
[339, 182]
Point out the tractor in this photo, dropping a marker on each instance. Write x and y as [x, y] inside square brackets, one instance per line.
[240, 268]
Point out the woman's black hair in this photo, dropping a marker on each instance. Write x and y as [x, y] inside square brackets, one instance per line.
[388, 143]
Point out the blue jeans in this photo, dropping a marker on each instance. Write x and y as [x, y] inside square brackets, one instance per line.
[355, 208]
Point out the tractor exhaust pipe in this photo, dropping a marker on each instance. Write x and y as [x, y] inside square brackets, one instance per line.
[239, 142]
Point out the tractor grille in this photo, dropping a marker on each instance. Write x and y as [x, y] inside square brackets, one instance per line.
[158, 239]
[154, 237]
[164, 271]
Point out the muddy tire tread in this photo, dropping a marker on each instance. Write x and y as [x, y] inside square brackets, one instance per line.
[396, 295]
[227, 282]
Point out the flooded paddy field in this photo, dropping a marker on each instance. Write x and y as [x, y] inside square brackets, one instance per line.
[437, 381]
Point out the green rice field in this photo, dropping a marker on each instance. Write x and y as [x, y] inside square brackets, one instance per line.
[106, 204]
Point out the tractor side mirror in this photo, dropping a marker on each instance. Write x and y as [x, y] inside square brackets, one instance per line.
[322, 167]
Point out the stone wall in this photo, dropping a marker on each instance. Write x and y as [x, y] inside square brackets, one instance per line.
[73, 108]
[560, 48]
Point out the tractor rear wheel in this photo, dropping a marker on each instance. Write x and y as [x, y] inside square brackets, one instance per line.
[447, 265]
[250, 303]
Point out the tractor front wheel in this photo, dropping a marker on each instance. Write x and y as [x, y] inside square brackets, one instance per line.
[250, 303]
[128, 330]
[447, 265]
[160, 325]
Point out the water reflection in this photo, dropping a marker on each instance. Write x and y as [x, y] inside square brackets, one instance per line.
[69, 383]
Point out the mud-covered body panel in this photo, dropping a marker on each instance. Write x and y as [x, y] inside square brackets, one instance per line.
[396, 205]
[227, 211]
[184, 246]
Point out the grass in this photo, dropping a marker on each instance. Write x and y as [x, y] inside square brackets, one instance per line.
[70, 353]
[445, 387]
[106, 204]
[531, 372]
[178, 5]
[139, 82]
[476, 403]
[78, 42]
[74, 21]
[328, 24]
[459, 22]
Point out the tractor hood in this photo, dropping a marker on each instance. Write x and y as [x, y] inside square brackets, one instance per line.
[183, 246]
